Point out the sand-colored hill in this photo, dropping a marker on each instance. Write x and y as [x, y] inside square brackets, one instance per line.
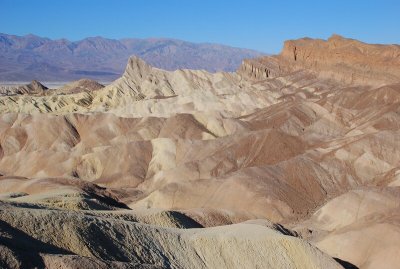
[128, 243]
[34, 88]
[359, 226]
[309, 142]
[158, 92]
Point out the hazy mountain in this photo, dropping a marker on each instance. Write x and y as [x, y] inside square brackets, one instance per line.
[31, 57]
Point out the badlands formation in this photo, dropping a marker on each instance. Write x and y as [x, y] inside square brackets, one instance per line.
[293, 161]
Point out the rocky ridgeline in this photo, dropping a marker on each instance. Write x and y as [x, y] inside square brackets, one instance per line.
[344, 60]
[33, 88]
[261, 68]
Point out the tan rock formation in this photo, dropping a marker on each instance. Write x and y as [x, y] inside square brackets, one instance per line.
[128, 243]
[309, 139]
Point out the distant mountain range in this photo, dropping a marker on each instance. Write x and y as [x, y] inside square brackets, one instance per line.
[24, 58]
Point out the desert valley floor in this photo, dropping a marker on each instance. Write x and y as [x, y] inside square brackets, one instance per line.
[292, 161]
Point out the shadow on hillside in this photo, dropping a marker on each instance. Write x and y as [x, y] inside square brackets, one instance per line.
[346, 264]
[26, 248]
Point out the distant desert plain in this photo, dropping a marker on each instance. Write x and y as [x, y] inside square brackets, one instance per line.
[291, 161]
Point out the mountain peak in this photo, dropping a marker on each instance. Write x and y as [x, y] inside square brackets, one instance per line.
[35, 87]
[336, 37]
[136, 67]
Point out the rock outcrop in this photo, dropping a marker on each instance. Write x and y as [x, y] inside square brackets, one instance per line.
[344, 60]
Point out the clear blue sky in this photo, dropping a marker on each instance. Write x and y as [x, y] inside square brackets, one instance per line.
[256, 24]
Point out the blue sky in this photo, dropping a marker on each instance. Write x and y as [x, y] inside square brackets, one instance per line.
[256, 24]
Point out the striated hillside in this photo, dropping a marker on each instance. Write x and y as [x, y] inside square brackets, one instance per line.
[140, 171]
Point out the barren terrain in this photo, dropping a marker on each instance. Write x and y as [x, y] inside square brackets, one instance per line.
[292, 161]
